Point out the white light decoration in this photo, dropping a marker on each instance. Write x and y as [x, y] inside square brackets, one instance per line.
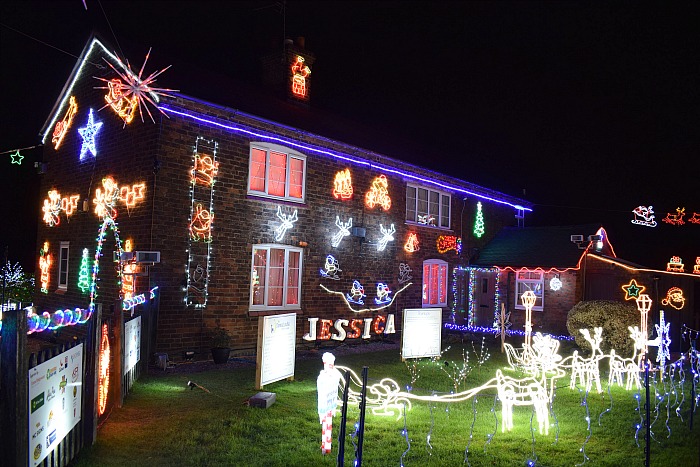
[528, 299]
[357, 294]
[330, 268]
[644, 215]
[387, 236]
[287, 223]
[522, 392]
[383, 294]
[555, 284]
[404, 273]
[88, 133]
[327, 385]
[643, 305]
[344, 231]
[662, 341]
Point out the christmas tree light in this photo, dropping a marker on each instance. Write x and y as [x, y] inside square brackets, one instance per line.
[84, 272]
[479, 222]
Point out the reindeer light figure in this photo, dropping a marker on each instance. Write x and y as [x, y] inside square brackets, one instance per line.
[287, 223]
[520, 392]
[343, 232]
[587, 369]
[675, 219]
[387, 236]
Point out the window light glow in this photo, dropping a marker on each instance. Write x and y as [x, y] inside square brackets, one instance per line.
[331, 268]
[675, 219]
[644, 215]
[674, 298]
[45, 262]
[342, 185]
[675, 264]
[446, 243]
[387, 236]
[62, 126]
[88, 133]
[245, 130]
[299, 74]
[411, 244]
[378, 194]
[287, 223]
[479, 222]
[343, 231]
[632, 290]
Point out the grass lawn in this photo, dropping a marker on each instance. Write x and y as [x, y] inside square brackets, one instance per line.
[165, 423]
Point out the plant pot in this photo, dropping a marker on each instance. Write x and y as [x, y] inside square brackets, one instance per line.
[220, 354]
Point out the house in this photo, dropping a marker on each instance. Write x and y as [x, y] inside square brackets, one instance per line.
[220, 212]
[564, 265]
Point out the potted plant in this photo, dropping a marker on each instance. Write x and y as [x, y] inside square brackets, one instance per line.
[220, 341]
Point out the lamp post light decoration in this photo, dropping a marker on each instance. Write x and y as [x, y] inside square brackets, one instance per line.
[528, 299]
[644, 305]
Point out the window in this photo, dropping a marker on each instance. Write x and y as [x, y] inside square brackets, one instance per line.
[275, 172]
[427, 207]
[275, 278]
[434, 283]
[63, 266]
[529, 280]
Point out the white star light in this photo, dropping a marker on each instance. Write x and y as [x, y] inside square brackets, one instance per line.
[88, 134]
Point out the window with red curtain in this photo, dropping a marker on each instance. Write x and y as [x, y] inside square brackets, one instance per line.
[277, 173]
[434, 283]
[276, 277]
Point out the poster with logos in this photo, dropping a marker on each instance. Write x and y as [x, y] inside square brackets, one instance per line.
[276, 348]
[422, 332]
[132, 343]
[55, 393]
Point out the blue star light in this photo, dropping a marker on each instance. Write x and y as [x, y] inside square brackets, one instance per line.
[88, 134]
[16, 158]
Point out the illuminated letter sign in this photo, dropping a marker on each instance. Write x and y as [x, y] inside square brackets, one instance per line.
[446, 243]
[379, 324]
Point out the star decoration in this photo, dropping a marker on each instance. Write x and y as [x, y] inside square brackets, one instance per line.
[16, 158]
[632, 290]
[88, 133]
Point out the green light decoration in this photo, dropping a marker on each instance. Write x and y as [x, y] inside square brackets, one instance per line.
[479, 223]
[16, 158]
[84, 273]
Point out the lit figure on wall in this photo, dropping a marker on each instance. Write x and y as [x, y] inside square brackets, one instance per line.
[200, 226]
[675, 264]
[299, 72]
[106, 200]
[426, 219]
[122, 105]
[644, 305]
[695, 218]
[528, 299]
[327, 388]
[62, 126]
[555, 283]
[45, 262]
[411, 245]
[696, 268]
[387, 236]
[404, 273]
[84, 272]
[287, 223]
[383, 294]
[378, 194]
[479, 228]
[204, 171]
[446, 243]
[344, 231]
[52, 208]
[130, 195]
[632, 290]
[331, 268]
[662, 341]
[674, 298]
[342, 185]
[88, 133]
[69, 204]
[644, 215]
[675, 219]
[356, 294]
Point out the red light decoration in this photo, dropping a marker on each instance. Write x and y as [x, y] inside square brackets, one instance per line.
[675, 219]
[343, 185]
[378, 194]
[695, 218]
[674, 298]
[122, 105]
[696, 268]
[200, 227]
[103, 374]
[446, 243]
[300, 72]
[644, 215]
[54, 204]
[411, 245]
[62, 126]
[70, 204]
[128, 274]
[325, 332]
[379, 324]
[675, 264]
[130, 195]
[632, 290]
[204, 171]
[105, 201]
[355, 328]
[44, 266]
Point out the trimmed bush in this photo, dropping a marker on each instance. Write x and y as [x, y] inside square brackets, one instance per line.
[613, 317]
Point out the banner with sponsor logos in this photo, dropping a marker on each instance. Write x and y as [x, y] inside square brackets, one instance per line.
[55, 393]
[132, 343]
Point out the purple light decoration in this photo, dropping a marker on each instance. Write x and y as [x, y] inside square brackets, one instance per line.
[287, 142]
[490, 330]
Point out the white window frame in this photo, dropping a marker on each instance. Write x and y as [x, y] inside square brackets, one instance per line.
[529, 283]
[267, 147]
[426, 281]
[414, 208]
[64, 246]
[288, 249]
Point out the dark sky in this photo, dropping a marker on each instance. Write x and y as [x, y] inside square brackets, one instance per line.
[592, 108]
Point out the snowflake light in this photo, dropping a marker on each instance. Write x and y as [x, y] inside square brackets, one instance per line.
[555, 283]
[132, 90]
[88, 133]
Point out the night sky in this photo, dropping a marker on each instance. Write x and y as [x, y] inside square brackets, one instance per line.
[585, 109]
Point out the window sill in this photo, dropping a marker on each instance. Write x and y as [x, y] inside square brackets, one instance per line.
[254, 313]
[273, 199]
[435, 227]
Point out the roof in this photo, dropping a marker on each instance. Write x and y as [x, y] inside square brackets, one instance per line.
[536, 247]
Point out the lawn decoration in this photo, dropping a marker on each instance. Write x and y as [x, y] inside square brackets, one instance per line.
[644, 215]
[644, 305]
[344, 231]
[327, 387]
[331, 268]
[662, 341]
[528, 299]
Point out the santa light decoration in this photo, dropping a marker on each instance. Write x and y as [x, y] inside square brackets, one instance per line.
[299, 74]
[378, 194]
[327, 389]
[330, 268]
[674, 298]
[644, 215]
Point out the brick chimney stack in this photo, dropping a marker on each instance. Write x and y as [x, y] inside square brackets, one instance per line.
[288, 73]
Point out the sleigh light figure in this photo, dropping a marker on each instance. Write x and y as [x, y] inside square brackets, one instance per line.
[644, 215]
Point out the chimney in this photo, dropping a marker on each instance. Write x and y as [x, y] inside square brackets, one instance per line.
[288, 72]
